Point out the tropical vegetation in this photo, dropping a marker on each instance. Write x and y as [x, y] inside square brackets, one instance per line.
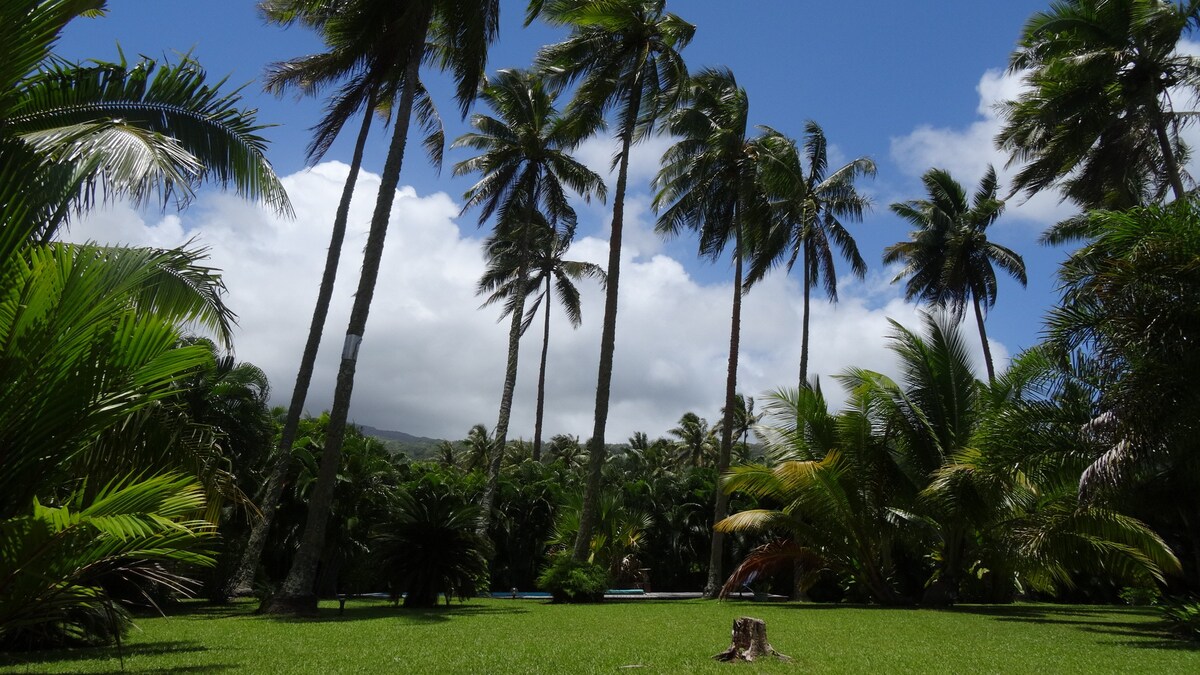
[140, 462]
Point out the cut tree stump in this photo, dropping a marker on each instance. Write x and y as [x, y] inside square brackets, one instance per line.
[749, 642]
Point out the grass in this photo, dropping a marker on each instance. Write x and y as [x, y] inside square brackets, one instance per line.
[527, 636]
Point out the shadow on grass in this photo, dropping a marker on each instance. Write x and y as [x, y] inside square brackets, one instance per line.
[385, 610]
[94, 654]
[1141, 634]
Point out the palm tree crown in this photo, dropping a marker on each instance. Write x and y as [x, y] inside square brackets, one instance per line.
[524, 161]
[948, 259]
[1097, 119]
[809, 205]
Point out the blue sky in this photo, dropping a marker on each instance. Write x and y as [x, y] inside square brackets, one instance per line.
[908, 84]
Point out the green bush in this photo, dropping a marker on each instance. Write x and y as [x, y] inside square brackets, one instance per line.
[1184, 617]
[570, 581]
[1140, 596]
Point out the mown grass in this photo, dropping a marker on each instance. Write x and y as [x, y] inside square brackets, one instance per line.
[526, 636]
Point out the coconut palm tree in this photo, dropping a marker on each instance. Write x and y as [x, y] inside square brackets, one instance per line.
[810, 204]
[526, 172]
[550, 274]
[461, 34]
[694, 439]
[624, 54]
[374, 85]
[709, 183]
[1098, 118]
[556, 276]
[948, 259]
[744, 419]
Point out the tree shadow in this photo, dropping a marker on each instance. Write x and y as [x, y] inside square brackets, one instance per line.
[823, 605]
[111, 653]
[1140, 634]
[385, 610]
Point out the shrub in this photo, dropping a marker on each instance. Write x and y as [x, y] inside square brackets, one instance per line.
[55, 561]
[1184, 617]
[570, 581]
[1140, 596]
[429, 546]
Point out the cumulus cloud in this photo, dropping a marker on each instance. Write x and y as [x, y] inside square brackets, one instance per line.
[967, 152]
[432, 363]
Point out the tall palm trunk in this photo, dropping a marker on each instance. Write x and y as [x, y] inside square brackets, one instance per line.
[716, 553]
[608, 338]
[1164, 143]
[804, 264]
[798, 591]
[541, 388]
[242, 580]
[987, 351]
[297, 594]
[500, 438]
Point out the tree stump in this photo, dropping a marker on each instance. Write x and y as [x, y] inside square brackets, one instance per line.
[749, 642]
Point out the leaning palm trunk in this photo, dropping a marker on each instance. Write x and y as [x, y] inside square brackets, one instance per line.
[541, 388]
[297, 593]
[1172, 165]
[608, 341]
[987, 351]
[500, 438]
[716, 555]
[243, 578]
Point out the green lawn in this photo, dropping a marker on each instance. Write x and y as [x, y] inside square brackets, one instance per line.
[528, 636]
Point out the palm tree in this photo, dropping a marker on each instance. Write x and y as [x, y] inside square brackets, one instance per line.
[461, 34]
[948, 258]
[709, 183]
[375, 86]
[625, 56]
[944, 463]
[1006, 507]
[809, 207]
[744, 420]
[524, 167]
[479, 447]
[140, 528]
[555, 276]
[694, 439]
[1129, 304]
[834, 481]
[549, 272]
[567, 449]
[1098, 118]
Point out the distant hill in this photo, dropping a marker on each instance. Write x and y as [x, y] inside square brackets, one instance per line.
[416, 447]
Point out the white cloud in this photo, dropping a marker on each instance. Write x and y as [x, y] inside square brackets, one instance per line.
[967, 152]
[432, 363]
[597, 153]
